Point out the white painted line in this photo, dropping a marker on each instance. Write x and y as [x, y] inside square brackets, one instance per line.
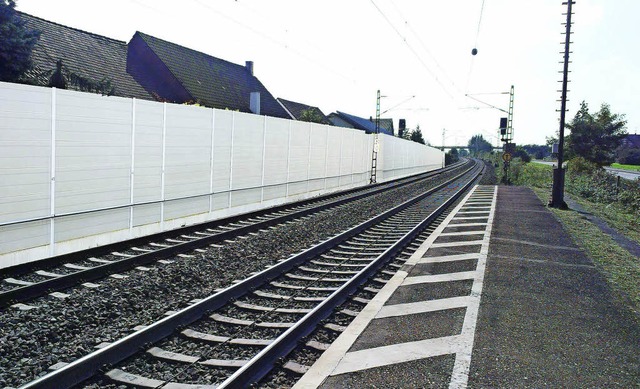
[330, 359]
[467, 225]
[423, 307]
[457, 244]
[471, 212]
[462, 233]
[447, 277]
[397, 353]
[460, 373]
[449, 258]
[468, 218]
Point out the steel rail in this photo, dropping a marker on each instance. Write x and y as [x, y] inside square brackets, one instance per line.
[28, 292]
[87, 366]
[259, 366]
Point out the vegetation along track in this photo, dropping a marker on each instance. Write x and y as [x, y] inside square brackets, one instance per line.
[62, 330]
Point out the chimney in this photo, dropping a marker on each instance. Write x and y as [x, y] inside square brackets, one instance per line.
[249, 66]
[254, 102]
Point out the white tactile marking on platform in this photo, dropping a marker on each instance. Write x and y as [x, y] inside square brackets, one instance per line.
[447, 277]
[423, 306]
[469, 218]
[460, 373]
[468, 225]
[449, 258]
[330, 359]
[458, 244]
[397, 353]
[462, 233]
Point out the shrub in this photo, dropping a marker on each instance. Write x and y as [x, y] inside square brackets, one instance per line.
[591, 182]
[579, 165]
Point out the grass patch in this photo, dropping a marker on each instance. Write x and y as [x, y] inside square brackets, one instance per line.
[621, 268]
[625, 167]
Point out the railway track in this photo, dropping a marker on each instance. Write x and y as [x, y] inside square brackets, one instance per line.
[25, 282]
[236, 337]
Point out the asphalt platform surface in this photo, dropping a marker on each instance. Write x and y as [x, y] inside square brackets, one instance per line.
[518, 307]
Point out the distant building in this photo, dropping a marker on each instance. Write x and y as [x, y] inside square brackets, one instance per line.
[178, 74]
[148, 68]
[84, 54]
[342, 119]
[297, 110]
[631, 141]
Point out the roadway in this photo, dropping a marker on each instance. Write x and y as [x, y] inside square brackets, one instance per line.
[626, 174]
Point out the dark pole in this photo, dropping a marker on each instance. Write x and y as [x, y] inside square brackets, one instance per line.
[557, 192]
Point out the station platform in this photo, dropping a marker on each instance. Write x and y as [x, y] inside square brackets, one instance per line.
[498, 297]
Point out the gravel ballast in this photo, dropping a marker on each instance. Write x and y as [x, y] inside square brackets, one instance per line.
[62, 330]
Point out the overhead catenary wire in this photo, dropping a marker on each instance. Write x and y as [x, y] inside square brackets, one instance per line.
[425, 48]
[274, 41]
[475, 46]
[413, 51]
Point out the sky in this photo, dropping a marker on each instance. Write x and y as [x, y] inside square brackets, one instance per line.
[336, 54]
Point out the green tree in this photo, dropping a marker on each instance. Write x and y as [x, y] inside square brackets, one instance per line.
[537, 151]
[522, 153]
[477, 144]
[311, 115]
[451, 157]
[595, 137]
[16, 43]
[416, 135]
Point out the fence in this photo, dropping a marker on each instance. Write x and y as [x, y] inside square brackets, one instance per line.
[79, 169]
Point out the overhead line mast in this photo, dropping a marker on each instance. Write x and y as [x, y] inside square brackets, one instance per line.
[376, 142]
[557, 191]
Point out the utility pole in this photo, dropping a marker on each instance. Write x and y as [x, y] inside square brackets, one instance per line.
[557, 191]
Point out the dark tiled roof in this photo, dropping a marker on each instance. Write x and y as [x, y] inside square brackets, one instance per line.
[362, 124]
[387, 125]
[211, 81]
[632, 140]
[88, 55]
[296, 109]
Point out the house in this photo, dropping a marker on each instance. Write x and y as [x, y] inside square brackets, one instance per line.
[631, 141]
[342, 119]
[298, 110]
[387, 126]
[87, 56]
[174, 73]
[146, 68]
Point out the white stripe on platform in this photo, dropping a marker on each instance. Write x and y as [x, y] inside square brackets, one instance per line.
[461, 233]
[330, 359]
[460, 373]
[467, 225]
[468, 218]
[397, 353]
[449, 258]
[463, 275]
[423, 306]
[457, 244]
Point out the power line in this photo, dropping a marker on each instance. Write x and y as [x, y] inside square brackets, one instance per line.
[274, 41]
[479, 22]
[424, 47]
[475, 45]
[404, 40]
